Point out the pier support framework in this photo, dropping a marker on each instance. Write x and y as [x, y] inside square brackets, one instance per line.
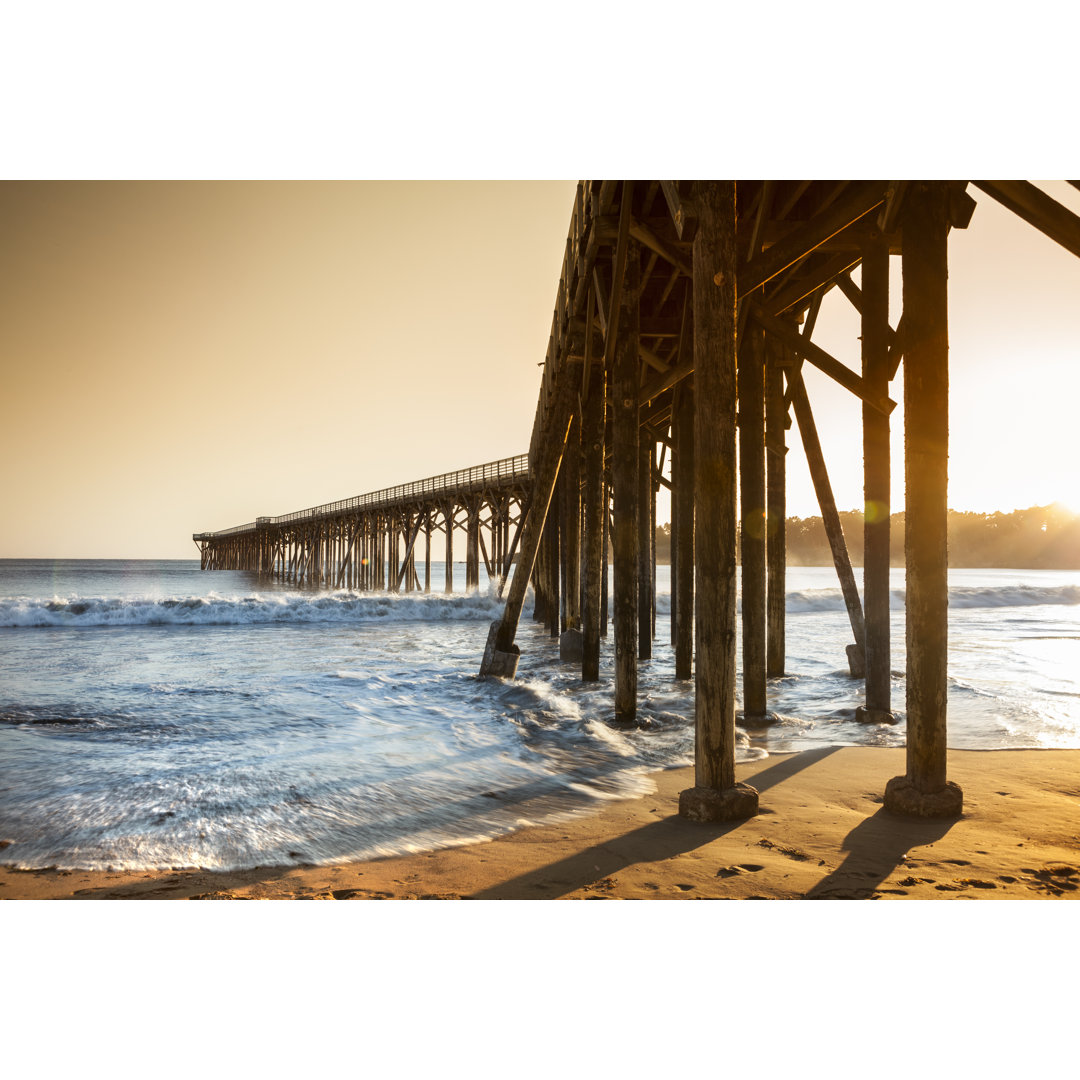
[682, 329]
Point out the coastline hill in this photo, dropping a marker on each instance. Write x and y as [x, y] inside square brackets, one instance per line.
[1038, 538]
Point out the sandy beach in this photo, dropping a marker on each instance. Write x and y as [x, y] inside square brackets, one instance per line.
[822, 833]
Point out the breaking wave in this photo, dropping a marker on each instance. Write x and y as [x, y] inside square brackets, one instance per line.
[959, 597]
[258, 609]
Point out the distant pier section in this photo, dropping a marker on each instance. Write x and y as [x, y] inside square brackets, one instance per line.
[370, 541]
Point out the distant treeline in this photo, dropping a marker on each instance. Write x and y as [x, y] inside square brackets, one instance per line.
[1039, 538]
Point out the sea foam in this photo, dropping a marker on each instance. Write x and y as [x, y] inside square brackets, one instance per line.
[258, 609]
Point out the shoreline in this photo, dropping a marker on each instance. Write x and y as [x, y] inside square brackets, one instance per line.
[821, 833]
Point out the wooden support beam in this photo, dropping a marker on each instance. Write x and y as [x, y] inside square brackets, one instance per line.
[644, 235]
[894, 198]
[652, 360]
[792, 198]
[684, 358]
[855, 297]
[682, 530]
[645, 542]
[448, 570]
[874, 307]
[625, 434]
[809, 283]
[412, 531]
[605, 545]
[751, 394]
[512, 550]
[896, 349]
[831, 518]
[553, 565]
[472, 546]
[570, 482]
[763, 210]
[427, 551]
[682, 213]
[715, 796]
[924, 790]
[852, 205]
[817, 356]
[751, 399]
[776, 421]
[1037, 208]
[622, 249]
[347, 561]
[488, 564]
[592, 441]
[503, 632]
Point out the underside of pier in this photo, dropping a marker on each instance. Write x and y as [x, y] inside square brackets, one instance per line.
[683, 319]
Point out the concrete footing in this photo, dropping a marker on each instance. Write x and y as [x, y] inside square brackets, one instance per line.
[710, 804]
[903, 797]
[874, 716]
[496, 662]
[571, 645]
[760, 720]
[856, 661]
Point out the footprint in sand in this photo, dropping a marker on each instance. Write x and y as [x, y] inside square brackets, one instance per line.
[1055, 880]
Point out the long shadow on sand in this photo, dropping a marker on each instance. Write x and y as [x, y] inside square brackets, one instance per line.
[875, 848]
[651, 843]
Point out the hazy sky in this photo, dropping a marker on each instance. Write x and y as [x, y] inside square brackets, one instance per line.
[187, 356]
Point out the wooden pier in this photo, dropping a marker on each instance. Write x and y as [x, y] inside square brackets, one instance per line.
[683, 318]
[371, 541]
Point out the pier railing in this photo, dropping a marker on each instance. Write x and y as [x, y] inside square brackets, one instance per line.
[493, 473]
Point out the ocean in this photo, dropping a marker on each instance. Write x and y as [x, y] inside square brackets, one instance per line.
[156, 716]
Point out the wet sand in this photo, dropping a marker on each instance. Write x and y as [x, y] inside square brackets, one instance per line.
[822, 833]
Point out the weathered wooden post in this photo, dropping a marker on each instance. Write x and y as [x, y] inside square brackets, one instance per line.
[605, 543]
[876, 483]
[716, 796]
[539, 600]
[776, 423]
[427, 550]
[645, 539]
[472, 545]
[624, 469]
[449, 511]
[751, 397]
[924, 790]
[552, 565]
[592, 440]
[682, 527]
[570, 640]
